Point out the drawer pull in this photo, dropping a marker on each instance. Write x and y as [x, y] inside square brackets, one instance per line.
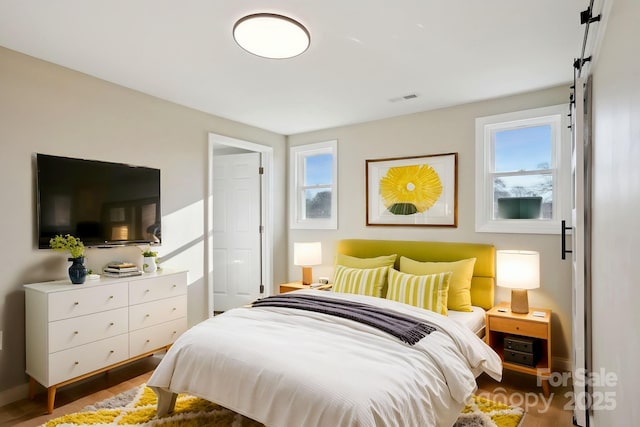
[148, 341]
[112, 351]
[174, 332]
[110, 296]
[76, 363]
[75, 332]
[76, 303]
[174, 286]
[147, 315]
[146, 290]
[174, 309]
[111, 324]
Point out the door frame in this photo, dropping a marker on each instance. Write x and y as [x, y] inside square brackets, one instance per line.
[266, 211]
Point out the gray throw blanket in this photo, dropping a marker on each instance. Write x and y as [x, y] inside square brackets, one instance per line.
[405, 328]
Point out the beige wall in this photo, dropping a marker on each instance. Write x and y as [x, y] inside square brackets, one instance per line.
[443, 131]
[616, 203]
[49, 109]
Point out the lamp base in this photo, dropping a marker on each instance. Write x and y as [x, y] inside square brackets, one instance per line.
[519, 301]
[307, 277]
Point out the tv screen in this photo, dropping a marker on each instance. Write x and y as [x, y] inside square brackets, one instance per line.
[102, 203]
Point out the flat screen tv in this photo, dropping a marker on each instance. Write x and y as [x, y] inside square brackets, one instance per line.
[102, 203]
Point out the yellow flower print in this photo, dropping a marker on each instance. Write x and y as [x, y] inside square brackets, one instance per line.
[406, 190]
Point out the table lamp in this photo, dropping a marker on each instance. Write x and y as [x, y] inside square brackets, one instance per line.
[305, 255]
[520, 271]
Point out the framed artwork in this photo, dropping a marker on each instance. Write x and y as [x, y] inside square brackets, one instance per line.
[413, 191]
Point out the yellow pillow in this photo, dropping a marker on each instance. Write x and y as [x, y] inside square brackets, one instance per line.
[425, 291]
[353, 262]
[460, 285]
[362, 281]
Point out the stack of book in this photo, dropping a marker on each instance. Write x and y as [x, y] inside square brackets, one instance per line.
[121, 269]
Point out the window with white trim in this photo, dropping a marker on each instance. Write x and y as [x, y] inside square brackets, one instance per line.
[523, 171]
[313, 189]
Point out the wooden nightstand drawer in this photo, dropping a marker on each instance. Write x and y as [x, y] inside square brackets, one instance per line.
[293, 286]
[518, 327]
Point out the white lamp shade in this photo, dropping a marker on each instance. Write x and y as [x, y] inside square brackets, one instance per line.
[308, 253]
[518, 269]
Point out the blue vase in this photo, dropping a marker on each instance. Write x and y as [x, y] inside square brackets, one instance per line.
[77, 271]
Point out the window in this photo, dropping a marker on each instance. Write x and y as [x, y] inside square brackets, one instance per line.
[313, 185]
[522, 171]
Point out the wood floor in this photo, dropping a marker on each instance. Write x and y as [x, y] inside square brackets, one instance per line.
[74, 397]
[515, 389]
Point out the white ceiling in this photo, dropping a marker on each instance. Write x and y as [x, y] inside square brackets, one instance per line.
[363, 54]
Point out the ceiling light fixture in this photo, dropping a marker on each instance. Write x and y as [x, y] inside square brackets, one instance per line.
[271, 36]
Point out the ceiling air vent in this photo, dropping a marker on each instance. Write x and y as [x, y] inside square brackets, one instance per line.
[404, 98]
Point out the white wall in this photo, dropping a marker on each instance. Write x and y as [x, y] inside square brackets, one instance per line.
[49, 109]
[616, 203]
[442, 131]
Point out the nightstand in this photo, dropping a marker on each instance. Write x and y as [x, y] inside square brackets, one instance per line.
[294, 286]
[520, 330]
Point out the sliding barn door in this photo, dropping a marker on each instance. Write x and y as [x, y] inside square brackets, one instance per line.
[580, 228]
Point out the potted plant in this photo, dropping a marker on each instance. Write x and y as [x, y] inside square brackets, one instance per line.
[75, 247]
[149, 260]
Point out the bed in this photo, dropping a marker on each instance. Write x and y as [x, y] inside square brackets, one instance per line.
[482, 280]
[289, 367]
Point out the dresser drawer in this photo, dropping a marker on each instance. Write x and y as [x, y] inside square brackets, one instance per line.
[79, 302]
[81, 330]
[518, 327]
[154, 337]
[159, 287]
[155, 312]
[81, 360]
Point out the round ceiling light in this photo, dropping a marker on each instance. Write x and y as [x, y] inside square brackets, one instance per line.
[271, 36]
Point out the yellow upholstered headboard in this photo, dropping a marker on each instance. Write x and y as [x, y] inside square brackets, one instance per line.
[484, 272]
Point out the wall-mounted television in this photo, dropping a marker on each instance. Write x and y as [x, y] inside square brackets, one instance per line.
[102, 203]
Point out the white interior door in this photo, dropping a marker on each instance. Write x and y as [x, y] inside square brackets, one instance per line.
[579, 254]
[236, 252]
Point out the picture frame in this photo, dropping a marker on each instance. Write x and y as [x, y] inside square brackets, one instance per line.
[413, 191]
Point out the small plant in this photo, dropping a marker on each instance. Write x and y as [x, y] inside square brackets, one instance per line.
[67, 243]
[153, 264]
[149, 253]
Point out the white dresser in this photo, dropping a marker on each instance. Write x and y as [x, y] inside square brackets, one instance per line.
[75, 331]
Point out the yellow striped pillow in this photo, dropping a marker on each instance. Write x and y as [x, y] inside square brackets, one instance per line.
[428, 292]
[363, 281]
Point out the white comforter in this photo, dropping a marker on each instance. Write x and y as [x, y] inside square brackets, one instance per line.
[286, 367]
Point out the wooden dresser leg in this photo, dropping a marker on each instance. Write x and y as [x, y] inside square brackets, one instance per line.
[51, 397]
[32, 388]
[545, 386]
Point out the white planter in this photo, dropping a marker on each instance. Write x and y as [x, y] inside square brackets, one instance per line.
[149, 264]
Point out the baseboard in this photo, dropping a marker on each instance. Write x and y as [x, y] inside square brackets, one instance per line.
[14, 394]
[561, 364]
